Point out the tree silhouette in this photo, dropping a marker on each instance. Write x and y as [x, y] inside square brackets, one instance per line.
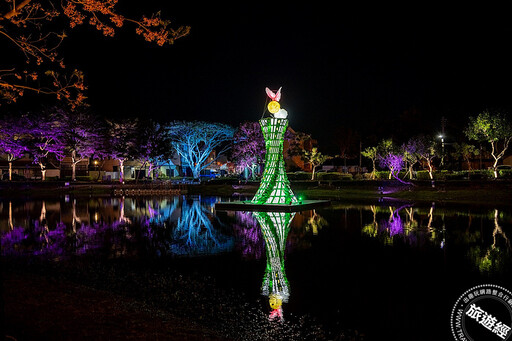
[35, 29]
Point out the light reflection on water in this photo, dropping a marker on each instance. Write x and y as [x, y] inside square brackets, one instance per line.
[182, 226]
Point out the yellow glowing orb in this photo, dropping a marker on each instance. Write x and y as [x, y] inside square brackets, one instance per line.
[275, 301]
[273, 107]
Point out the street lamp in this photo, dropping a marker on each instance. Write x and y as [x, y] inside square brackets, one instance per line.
[442, 148]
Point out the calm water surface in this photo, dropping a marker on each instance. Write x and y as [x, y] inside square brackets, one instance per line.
[385, 270]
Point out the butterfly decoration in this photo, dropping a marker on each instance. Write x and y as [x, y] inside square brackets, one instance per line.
[273, 96]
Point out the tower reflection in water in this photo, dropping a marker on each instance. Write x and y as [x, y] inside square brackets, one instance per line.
[275, 227]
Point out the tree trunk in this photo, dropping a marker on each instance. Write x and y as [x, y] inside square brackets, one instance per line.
[121, 171]
[43, 171]
[495, 167]
[73, 172]
[73, 165]
[313, 172]
[10, 170]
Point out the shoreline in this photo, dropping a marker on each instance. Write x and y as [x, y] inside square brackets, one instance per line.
[487, 192]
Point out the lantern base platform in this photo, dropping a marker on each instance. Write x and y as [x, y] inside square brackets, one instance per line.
[249, 206]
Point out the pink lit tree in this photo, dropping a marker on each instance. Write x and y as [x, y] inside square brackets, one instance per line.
[13, 139]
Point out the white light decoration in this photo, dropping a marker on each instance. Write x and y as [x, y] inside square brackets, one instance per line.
[281, 113]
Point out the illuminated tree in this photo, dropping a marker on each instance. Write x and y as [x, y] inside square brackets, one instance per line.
[427, 150]
[35, 30]
[121, 141]
[47, 139]
[385, 148]
[394, 162]
[465, 151]
[410, 155]
[154, 147]
[494, 128]
[372, 154]
[13, 139]
[315, 159]
[82, 137]
[195, 141]
[248, 147]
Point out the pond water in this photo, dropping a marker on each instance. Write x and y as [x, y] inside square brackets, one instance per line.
[382, 270]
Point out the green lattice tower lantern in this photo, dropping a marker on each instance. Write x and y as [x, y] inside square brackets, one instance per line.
[274, 187]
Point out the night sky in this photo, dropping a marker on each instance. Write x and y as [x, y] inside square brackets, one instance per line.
[381, 71]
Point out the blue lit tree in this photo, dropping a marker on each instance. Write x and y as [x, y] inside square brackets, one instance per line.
[195, 141]
[195, 234]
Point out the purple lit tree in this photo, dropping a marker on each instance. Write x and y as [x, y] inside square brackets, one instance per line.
[248, 147]
[13, 139]
[393, 162]
[47, 139]
[195, 141]
[121, 142]
[83, 137]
